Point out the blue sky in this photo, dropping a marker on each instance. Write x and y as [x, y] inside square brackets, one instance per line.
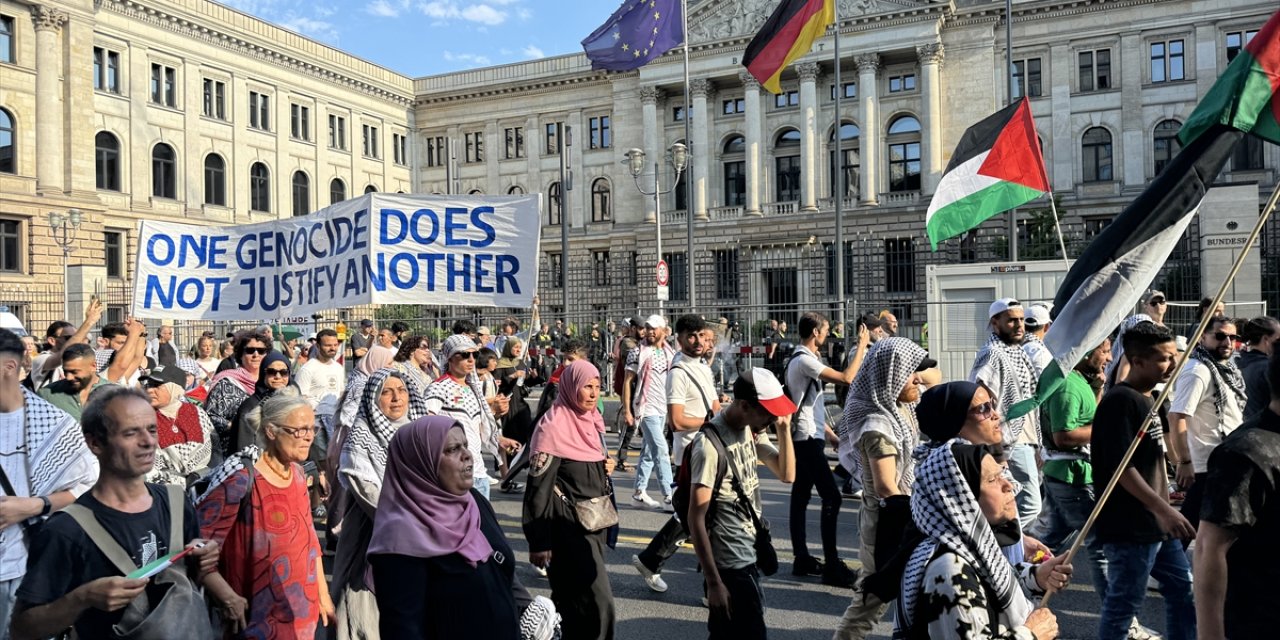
[428, 37]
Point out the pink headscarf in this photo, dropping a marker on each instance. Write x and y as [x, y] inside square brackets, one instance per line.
[416, 516]
[566, 431]
[239, 375]
[375, 358]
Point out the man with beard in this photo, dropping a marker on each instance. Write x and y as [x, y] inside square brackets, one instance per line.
[1006, 371]
[78, 381]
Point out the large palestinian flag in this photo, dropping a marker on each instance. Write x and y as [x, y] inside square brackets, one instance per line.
[1244, 95]
[787, 34]
[997, 166]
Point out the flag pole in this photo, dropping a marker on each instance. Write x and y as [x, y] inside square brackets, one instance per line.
[838, 191]
[689, 178]
[1008, 76]
[1164, 394]
[1062, 244]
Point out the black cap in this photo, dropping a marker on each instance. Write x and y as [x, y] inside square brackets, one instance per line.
[944, 408]
[927, 363]
[162, 374]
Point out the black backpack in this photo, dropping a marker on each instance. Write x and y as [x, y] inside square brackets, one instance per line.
[683, 495]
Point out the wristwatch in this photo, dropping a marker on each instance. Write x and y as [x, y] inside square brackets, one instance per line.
[48, 506]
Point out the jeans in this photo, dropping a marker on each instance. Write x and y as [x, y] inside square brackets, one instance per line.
[654, 453]
[1069, 508]
[746, 607]
[1022, 465]
[482, 485]
[813, 471]
[1130, 563]
[8, 595]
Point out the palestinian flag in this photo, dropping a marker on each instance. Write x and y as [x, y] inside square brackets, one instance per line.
[997, 166]
[1105, 283]
[787, 34]
[1244, 95]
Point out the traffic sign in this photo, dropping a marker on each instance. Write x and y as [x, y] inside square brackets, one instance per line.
[663, 293]
[664, 274]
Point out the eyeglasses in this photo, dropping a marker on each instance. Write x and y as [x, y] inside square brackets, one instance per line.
[258, 351]
[984, 410]
[277, 373]
[466, 355]
[298, 432]
[1223, 335]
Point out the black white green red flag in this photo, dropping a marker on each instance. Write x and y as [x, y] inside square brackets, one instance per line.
[1244, 96]
[996, 167]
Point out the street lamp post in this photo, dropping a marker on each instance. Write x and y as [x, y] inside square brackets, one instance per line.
[63, 228]
[678, 157]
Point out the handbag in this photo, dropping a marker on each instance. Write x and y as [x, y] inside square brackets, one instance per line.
[593, 514]
[766, 555]
[171, 606]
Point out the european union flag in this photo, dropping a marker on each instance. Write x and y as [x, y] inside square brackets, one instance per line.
[639, 31]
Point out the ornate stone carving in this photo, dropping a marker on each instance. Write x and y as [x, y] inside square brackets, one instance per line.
[650, 95]
[867, 63]
[808, 71]
[930, 53]
[701, 87]
[48, 18]
[736, 18]
[749, 81]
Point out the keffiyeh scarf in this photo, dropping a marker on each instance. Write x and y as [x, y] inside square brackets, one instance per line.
[947, 513]
[1017, 378]
[370, 434]
[1226, 378]
[232, 464]
[888, 366]
[58, 458]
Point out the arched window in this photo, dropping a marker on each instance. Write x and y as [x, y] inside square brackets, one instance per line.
[1095, 155]
[106, 161]
[259, 187]
[8, 153]
[786, 163]
[735, 171]
[301, 194]
[1164, 143]
[904, 154]
[553, 204]
[515, 190]
[215, 180]
[164, 171]
[601, 203]
[846, 159]
[473, 192]
[371, 189]
[337, 191]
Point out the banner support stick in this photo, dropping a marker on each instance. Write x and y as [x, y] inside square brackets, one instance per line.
[1057, 226]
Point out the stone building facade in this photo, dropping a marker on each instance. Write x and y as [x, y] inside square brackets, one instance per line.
[188, 110]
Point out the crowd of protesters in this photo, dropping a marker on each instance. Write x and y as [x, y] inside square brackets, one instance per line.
[134, 468]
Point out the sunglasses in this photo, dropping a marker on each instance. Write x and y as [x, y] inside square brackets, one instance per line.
[466, 355]
[277, 373]
[984, 410]
[259, 351]
[1155, 301]
[1222, 335]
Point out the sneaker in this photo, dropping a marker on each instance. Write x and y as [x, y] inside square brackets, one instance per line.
[651, 578]
[539, 570]
[319, 512]
[642, 499]
[847, 489]
[806, 566]
[512, 487]
[838, 575]
[1139, 632]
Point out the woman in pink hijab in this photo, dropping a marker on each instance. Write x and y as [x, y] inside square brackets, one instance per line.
[569, 460]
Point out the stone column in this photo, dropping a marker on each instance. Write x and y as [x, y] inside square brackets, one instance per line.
[1062, 166]
[49, 159]
[700, 90]
[930, 114]
[808, 135]
[754, 135]
[869, 114]
[1131, 148]
[533, 155]
[649, 98]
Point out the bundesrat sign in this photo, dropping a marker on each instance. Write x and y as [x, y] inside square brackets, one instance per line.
[377, 248]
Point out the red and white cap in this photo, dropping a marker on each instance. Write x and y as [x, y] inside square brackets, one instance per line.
[763, 387]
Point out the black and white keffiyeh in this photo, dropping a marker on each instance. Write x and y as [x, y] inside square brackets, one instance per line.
[1226, 378]
[370, 434]
[57, 456]
[885, 371]
[947, 513]
[1017, 378]
[229, 467]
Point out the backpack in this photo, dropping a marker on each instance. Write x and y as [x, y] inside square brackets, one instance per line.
[783, 379]
[682, 497]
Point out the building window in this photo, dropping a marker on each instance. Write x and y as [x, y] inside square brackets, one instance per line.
[734, 106]
[259, 111]
[370, 189]
[1248, 154]
[601, 201]
[904, 154]
[1095, 70]
[164, 171]
[475, 146]
[902, 83]
[10, 246]
[337, 191]
[8, 150]
[556, 266]
[1095, 154]
[786, 151]
[677, 114]
[106, 161]
[515, 190]
[515, 142]
[1236, 42]
[370, 139]
[600, 267]
[436, 151]
[1167, 61]
[551, 135]
[400, 148]
[680, 193]
[829, 248]
[6, 39]
[601, 136]
[1094, 226]
[1165, 143]
[899, 265]
[300, 122]
[113, 242]
[337, 132]
[678, 265]
[553, 204]
[215, 99]
[259, 187]
[106, 69]
[786, 99]
[726, 265]
[301, 194]
[215, 180]
[735, 171]
[1026, 73]
[163, 85]
[850, 90]
[847, 159]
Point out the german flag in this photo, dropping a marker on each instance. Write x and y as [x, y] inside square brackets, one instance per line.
[785, 36]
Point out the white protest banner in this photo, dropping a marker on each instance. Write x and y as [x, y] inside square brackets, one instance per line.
[377, 248]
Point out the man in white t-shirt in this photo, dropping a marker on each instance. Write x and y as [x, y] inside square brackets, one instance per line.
[322, 380]
[647, 407]
[1208, 404]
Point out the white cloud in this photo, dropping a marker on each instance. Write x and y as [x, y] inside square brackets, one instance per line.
[532, 51]
[317, 29]
[383, 9]
[471, 59]
[449, 10]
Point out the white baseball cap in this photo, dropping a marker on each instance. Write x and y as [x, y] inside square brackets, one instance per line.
[763, 387]
[1038, 316]
[1002, 305]
[655, 321]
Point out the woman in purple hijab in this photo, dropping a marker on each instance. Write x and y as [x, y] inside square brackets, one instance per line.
[441, 566]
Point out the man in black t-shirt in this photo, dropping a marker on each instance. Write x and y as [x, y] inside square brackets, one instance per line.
[69, 581]
[1236, 562]
[1140, 532]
